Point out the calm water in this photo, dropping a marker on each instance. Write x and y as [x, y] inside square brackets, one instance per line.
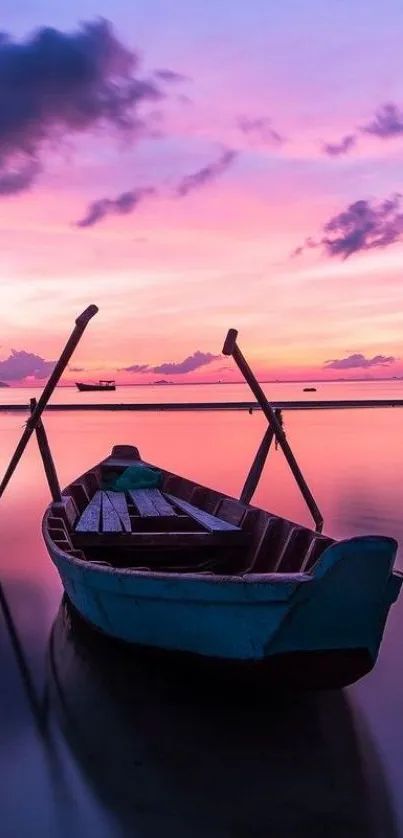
[288, 391]
[134, 751]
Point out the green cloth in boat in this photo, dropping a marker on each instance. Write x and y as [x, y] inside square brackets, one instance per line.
[134, 477]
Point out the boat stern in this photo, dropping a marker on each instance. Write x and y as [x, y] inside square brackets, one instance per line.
[345, 610]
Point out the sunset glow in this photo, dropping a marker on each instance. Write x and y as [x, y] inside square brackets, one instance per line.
[190, 223]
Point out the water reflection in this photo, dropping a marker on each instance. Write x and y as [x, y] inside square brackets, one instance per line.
[19, 659]
[211, 765]
[362, 508]
[37, 708]
[168, 755]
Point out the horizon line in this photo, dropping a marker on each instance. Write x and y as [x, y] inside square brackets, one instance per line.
[6, 385]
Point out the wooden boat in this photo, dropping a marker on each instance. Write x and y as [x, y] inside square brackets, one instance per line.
[309, 389]
[103, 384]
[188, 569]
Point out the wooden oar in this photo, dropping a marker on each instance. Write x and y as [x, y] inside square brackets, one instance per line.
[47, 459]
[231, 348]
[256, 468]
[81, 323]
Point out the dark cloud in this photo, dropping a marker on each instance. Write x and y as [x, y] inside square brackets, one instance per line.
[20, 179]
[260, 128]
[359, 361]
[136, 368]
[21, 364]
[206, 174]
[127, 202]
[53, 84]
[361, 226]
[96, 211]
[193, 362]
[387, 122]
[77, 369]
[309, 244]
[343, 147]
[124, 204]
[170, 76]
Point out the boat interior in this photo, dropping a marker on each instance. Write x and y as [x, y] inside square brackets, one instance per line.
[178, 527]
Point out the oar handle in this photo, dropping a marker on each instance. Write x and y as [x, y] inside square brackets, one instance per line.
[84, 318]
[80, 325]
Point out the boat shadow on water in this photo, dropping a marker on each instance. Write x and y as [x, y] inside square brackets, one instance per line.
[168, 752]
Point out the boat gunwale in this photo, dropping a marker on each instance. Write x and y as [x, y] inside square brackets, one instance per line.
[246, 578]
[239, 579]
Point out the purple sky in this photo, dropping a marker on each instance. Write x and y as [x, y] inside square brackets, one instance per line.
[257, 188]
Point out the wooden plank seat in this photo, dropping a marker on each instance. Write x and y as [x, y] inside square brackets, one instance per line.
[168, 521]
[90, 520]
[119, 504]
[210, 522]
[151, 503]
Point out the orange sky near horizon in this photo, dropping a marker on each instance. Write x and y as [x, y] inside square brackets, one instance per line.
[188, 282]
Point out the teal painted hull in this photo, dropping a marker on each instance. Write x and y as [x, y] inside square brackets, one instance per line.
[341, 607]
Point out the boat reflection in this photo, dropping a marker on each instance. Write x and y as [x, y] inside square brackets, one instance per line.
[168, 753]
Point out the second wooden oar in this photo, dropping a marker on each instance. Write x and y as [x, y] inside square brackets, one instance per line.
[231, 348]
[81, 323]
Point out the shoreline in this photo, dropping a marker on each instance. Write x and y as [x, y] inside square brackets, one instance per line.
[212, 406]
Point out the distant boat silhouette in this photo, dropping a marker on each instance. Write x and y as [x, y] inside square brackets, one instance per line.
[102, 384]
[160, 381]
[309, 389]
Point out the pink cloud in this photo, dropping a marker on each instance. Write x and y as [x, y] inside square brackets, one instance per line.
[23, 365]
[358, 361]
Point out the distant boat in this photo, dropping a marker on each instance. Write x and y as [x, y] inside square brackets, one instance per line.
[160, 381]
[309, 389]
[101, 385]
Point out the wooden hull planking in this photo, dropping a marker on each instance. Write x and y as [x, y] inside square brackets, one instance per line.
[334, 613]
